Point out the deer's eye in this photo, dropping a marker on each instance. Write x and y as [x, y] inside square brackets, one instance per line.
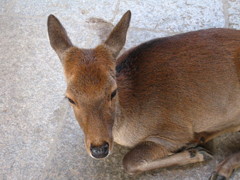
[113, 94]
[71, 101]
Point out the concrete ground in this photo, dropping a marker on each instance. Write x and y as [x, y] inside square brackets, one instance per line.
[39, 137]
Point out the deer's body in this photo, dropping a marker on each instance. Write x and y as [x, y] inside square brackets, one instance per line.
[160, 98]
[173, 90]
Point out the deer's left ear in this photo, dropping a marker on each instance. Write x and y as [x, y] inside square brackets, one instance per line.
[59, 39]
[117, 38]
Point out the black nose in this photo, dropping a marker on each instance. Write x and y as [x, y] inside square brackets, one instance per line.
[100, 151]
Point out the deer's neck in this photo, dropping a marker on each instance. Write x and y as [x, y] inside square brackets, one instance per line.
[123, 125]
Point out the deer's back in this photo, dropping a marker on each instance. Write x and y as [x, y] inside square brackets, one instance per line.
[189, 80]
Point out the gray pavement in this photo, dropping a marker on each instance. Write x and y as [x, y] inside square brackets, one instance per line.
[39, 137]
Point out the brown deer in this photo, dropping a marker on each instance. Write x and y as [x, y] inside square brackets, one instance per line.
[163, 98]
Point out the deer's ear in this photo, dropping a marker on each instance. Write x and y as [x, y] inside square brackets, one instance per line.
[117, 38]
[58, 37]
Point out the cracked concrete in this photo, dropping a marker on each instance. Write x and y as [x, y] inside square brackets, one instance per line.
[39, 137]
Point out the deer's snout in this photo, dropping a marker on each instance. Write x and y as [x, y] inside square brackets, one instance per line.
[100, 151]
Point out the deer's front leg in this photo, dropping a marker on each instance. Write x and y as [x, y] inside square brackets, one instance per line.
[149, 156]
[225, 169]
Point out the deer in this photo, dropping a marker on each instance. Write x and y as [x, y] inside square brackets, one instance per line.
[163, 99]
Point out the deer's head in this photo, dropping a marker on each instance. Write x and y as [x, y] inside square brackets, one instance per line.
[91, 82]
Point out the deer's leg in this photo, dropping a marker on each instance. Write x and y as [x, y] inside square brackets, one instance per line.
[149, 156]
[225, 169]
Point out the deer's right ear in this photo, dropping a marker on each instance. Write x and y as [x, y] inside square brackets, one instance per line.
[58, 37]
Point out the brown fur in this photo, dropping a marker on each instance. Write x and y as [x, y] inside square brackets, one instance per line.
[91, 72]
[173, 92]
[184, 84]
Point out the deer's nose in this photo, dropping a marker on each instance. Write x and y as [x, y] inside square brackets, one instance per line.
[100, 151]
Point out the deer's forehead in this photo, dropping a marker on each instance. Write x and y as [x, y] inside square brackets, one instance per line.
[88, 71]
[89, 79]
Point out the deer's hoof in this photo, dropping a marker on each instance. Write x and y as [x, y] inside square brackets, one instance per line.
[216, 176]
[205, 153]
